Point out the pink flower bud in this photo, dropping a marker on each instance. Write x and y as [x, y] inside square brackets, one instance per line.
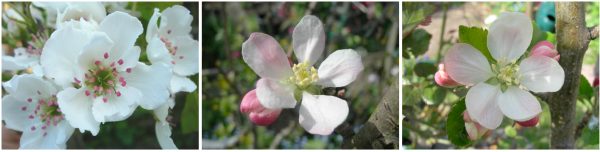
[530, 123]
[258, 114]
[474, 129]
[545, 48]
[443, 79]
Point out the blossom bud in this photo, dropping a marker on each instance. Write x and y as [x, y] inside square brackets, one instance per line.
[443, 79]
[530, 123]
[545, 48]
[258, 114]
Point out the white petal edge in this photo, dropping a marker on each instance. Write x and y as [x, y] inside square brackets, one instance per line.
[116, 108]
[77, 109]
[274, 95]
[157, 52]
[509, 36]
[321, 114]
[482, 105]
[58, 61]
[180, 83]
[153, 81]
[340, 68]
[466, 65]
[123, 29]
[541, 74]
[308, 39]
[518, 104]
[163, 135]
[265, 57]
[186, 58]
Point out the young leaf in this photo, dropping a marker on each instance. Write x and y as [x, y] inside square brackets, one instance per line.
[585, 89]
[476, 37]
[424, 69]
[455, 125]
[416, 43]
[189, 115]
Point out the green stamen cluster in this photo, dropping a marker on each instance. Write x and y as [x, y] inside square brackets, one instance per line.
[304, 75]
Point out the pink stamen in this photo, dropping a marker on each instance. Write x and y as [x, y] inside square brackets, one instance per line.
[118, 93]
[76, 80]
[123, 83]
[87, 93]
[128, 70]
[105, 55]
[172, 62]
[30, 116]
[97, 62]
[120, 61]
[104, 99]
[28, 99]
[112, 64]
[44, 127]
[23, 108]
[32, 128]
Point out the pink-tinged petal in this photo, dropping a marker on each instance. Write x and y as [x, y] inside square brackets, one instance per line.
[545, 48]
[443, 79]
[321, 114]
[482, 105]
[264, 55]
[530, 123]
[518, 104]
[509, 36]
[466, 65]
[541, 74]
[77, 108]
[308, 39]
[340, 68]
[275, 95]
[258, 114]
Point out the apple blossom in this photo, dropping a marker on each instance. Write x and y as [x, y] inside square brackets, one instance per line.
[100, 72]
[474, 129]
[281, 86]
[171, 44]
[257, 113]
[31, 107]
[501, 88]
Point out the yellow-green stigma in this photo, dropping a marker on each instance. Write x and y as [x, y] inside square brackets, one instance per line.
[304, 75]
[508, 75]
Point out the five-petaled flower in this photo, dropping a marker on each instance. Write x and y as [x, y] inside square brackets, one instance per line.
[281, 86]
[501, 88]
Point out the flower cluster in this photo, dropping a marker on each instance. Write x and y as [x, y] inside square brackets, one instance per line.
[88, 72]
[283, 86]
[501, 88]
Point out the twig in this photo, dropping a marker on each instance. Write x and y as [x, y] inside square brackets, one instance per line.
[582, 124]
[224, 143]
[441, 43]
[284, 132]
[593, 32]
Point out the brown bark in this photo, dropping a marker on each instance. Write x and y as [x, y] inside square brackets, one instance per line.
[572, 41]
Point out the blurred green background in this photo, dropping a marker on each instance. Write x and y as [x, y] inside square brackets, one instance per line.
[138, 130]
[426, 105]
[369, 28]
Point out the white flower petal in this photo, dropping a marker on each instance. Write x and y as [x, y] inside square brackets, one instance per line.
[11, 63]
[14, 118]
[180, 83]
[59, 61]
[63, 132]
[466, 65]
[31, 86]
[541, 74]
[308, 39]
[175, 21]
[509, 36]
[321, 114]
[123, 29]
[152, 29]
[32, 140]
[157, 52]
[130, 58]
[163, 135]
[55, 138]
[482, 105]
[77, 109]
[264, 55]
[152, 81]
[274, 95]
[518, 104]
[162, 112]
[186, 56]
[86, 10]
[20, 61]
[99, 45]
[116, 108]
[340, 68]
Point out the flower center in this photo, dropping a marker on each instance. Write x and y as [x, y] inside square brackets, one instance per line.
[506, 75]
[101, 80]
[46, 110]
[304, 75]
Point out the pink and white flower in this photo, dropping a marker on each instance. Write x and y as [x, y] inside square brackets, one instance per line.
[503, 88]
[545, 48]
[31, 107]
[100, 72]
[281, 86]
[258, 114]
[171, 43]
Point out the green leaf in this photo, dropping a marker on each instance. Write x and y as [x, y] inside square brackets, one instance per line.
[424, 69]
[414, 13]
[476, 37]
[189, 115]
[416, 43]
[585, 89]
[314, 144]
[590, 135]
[510, 131]
[434, 95]
[455, 125]
[538, 35]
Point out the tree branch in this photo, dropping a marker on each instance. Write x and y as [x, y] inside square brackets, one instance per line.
[573, 38]
[382, 128]
[594, 32]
